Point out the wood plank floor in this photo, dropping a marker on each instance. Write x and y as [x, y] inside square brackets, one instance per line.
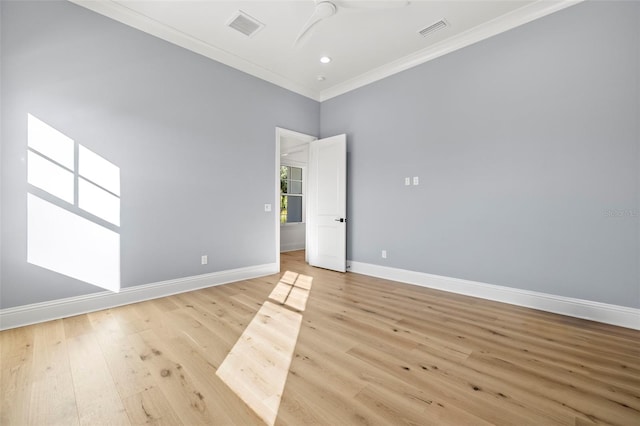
[369, 351]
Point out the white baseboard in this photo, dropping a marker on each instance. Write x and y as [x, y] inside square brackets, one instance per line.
[38, 312]
[602, 312]
[595, 311]
[284, 248]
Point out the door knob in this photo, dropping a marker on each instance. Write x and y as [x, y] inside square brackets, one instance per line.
[340, 220]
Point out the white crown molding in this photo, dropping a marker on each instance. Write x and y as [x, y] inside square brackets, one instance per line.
[481, 32]
[148, 25]
[595, 311]
[39, 312]
[125, 15]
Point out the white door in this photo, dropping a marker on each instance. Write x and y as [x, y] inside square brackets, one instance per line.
[327, 203]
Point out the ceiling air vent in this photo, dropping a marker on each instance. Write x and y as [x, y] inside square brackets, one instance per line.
[433, 28]
[244, 23]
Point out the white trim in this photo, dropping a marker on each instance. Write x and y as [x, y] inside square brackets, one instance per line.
[481, 32]
[62, 308]
[137, 20]
[134, 19]
[276, 205]
[602, 312]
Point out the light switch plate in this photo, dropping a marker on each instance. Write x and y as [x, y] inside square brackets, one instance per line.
[407, 181]
[416, 181]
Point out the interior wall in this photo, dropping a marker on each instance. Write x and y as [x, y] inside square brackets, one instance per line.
[526, 146]
[189, 135]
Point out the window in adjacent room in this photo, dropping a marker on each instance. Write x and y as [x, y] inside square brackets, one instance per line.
[291, 197]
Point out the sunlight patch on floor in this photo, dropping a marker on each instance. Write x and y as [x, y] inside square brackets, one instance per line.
[292, 290]
[256, 369]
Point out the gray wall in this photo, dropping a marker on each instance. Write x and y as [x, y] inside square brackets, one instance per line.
[194, 141]
[526, 145]
[292, 237]
[527, 149]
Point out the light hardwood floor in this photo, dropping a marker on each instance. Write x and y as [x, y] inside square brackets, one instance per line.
[369, 351]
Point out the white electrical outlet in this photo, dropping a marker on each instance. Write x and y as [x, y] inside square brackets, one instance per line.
[407, 181]
[267, 207]
[416, 181]
[204, 259]
[384, 254]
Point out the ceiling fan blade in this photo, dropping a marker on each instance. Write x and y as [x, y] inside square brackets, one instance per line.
[323, 10]
[372, 4]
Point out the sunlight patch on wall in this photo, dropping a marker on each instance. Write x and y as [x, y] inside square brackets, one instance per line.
[99, 202]
[50, 177]
[50, 142]
[97, 169]
[58, 238]
[71, 245]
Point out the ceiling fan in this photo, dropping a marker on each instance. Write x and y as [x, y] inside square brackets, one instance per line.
[325, 9]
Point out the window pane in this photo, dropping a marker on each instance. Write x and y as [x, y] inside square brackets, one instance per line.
[49, 142]
[294, 209]
[98, 170]
[99, 202]
[296, 173]
[49, 177]
[283, 179]
[283, 209]
[295, 188]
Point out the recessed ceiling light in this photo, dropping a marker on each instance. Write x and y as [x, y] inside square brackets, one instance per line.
[321, 78]
[325, 59]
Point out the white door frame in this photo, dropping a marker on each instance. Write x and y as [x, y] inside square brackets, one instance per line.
[283, 133]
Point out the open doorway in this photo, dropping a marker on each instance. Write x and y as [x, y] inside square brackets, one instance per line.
[292, 157]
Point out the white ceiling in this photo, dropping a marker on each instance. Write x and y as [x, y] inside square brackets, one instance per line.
[365, 44]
